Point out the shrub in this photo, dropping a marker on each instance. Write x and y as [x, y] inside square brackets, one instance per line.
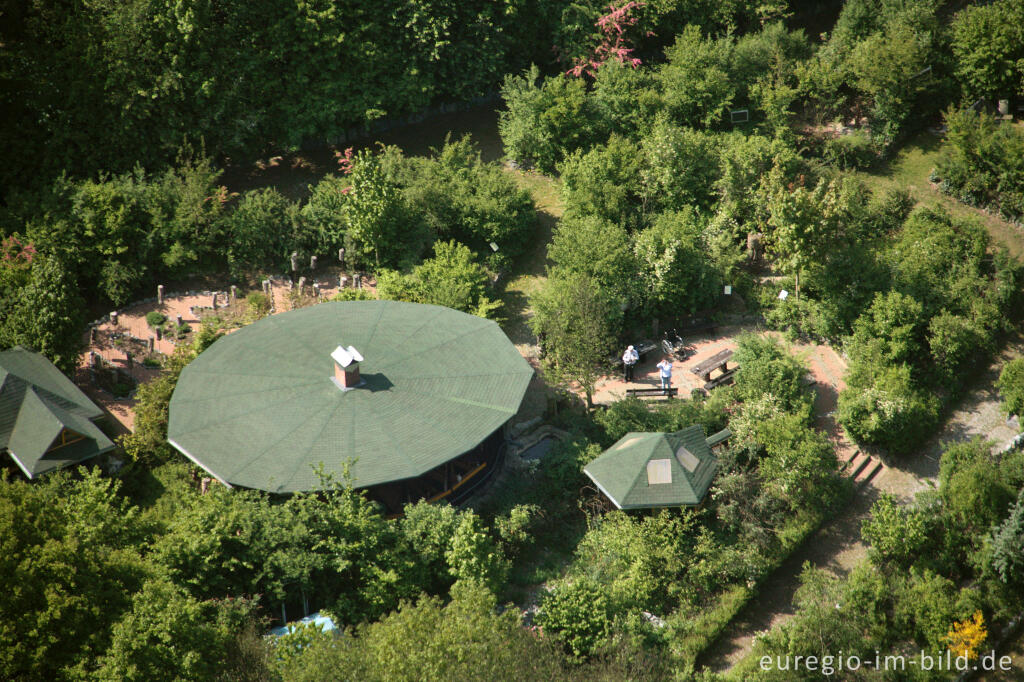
[896, 534]
[260, 231]
[155, 318]
[472, 202]
[257, 305]
[354, 295]
[1008, 545]
[850, 151]
[579, 615]
[545, 122]
[451, 278]
[1011, 387]
[891, 411]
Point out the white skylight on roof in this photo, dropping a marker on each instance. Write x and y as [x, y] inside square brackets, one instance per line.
[687, 459]
[659, 471]
[346, 356]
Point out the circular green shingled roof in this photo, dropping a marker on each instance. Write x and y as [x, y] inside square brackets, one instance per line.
[259, 409]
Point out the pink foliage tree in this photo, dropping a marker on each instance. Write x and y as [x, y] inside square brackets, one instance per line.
[614, 28]
[15, 253]
[345, 160]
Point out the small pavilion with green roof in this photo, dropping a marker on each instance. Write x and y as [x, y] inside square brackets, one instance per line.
[647, 470]
[46, 422]
[410, 398]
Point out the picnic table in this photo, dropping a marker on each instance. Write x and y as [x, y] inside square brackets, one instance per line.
[704, 368]
[723, 379]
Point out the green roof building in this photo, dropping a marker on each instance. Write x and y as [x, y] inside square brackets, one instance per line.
[46, 422]
[401, 391]
[645, 470]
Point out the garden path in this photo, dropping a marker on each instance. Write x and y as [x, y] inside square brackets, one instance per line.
[836, 546]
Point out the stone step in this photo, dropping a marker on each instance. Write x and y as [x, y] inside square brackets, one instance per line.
[853, 456]
[869, 473]
[860, 466]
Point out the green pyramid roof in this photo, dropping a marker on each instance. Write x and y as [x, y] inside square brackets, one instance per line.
[644, 470]
[259, 408]
[37, 403]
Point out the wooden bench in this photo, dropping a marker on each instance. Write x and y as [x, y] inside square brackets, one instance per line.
[718, 360]
[726, 378]
[642, 348]
[670, 392]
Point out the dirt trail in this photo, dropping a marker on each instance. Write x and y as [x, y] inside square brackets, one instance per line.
[836, 547]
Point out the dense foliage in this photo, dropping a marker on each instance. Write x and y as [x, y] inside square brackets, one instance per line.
[949, 301]
[119, 235]
[982, 164]
[102, 86]
[933, 564]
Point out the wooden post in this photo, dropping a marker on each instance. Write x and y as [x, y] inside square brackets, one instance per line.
[160, 294]
[113, 318]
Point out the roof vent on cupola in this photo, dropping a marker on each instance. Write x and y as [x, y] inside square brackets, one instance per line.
[346, 368]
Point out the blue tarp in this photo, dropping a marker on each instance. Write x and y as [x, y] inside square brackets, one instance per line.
[315, 619]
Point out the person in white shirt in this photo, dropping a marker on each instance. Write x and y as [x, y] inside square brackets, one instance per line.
[629, 360]
[666, 373]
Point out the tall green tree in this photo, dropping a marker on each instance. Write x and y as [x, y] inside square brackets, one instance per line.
[988, 44]
[451, 278]
[604, 182]
[695, 82]
[169, 635]
[47, 315]
[71, 561]
[574, 319]
[796, 234]
[1008, 545]
[601, 250]
[380, 227]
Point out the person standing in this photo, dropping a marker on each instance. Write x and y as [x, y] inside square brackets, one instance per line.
[629, 360]
[666, 373]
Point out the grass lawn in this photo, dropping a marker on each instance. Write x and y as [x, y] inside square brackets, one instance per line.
[531, 270]
[909, 169]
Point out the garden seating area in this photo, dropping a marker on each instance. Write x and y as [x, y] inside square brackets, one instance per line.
[719, 360]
